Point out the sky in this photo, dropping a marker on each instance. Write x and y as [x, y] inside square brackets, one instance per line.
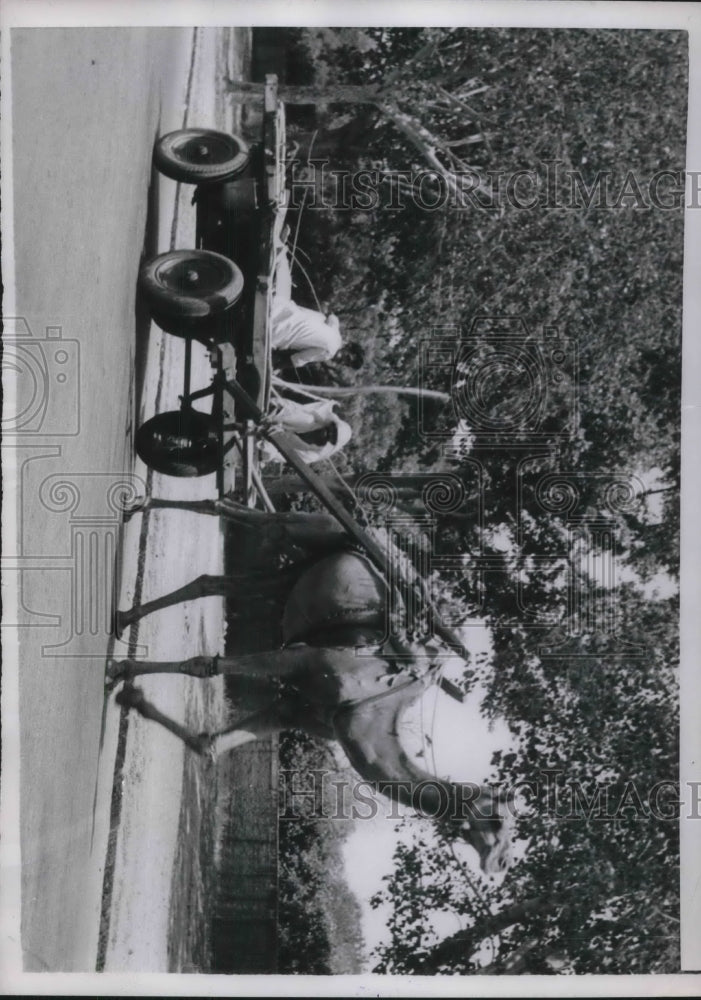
[462, 746]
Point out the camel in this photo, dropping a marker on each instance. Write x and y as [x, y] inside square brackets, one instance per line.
[341, 673]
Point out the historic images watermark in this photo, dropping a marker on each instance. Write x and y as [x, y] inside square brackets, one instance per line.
[323, 794]
[549, 186]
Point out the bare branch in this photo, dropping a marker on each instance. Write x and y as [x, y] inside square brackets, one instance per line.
[453, 99]
[428, 145]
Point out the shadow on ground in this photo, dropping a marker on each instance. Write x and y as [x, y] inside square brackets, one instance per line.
[142, 315]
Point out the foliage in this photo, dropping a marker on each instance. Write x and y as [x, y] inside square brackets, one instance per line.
[602, 893]
[392, 276]
[595, 739]
[319, 917]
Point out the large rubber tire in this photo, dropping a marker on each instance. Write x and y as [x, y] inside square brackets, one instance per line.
[200, 156]
[181, 443]
[194, 286]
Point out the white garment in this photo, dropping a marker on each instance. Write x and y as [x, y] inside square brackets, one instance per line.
[303, 417]
[307, 333]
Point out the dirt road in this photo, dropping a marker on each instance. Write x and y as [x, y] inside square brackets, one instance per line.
[87, 105]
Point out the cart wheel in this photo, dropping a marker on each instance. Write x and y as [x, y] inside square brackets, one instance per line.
[190, 287]
[200, 155]
[181, 443]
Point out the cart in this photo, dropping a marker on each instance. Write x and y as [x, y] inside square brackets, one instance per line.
[220, 294]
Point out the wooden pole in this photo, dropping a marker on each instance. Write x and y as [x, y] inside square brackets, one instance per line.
[284, 443]
[337, 391]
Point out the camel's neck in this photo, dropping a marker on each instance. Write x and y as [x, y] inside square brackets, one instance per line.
[369, 735]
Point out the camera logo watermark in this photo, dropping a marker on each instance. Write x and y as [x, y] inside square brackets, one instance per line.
[44, 369]
[513, 402]
[507, 385]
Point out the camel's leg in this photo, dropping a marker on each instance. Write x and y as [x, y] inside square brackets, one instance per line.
[202, 586]
[154, 503]
[133, 697]
[263, 586]
[196, 666]
[253, 727]
[312, 529]
[296, 525]
[277, 664]
[225, 507]
[211, 745]
[307, 529]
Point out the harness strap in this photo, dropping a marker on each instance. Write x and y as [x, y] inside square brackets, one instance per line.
[346, 706]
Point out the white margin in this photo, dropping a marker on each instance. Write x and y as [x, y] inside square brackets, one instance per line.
[469, 13]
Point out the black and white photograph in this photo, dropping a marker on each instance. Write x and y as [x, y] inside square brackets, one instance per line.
[350, 431]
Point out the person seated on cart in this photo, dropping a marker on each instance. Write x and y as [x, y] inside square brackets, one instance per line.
[299, 335]
[316, 430]
[324, 373]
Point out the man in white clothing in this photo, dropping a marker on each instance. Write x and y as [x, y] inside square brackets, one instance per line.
[316, 430]
[305, 334]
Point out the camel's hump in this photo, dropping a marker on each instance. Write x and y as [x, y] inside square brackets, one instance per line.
[342, 589]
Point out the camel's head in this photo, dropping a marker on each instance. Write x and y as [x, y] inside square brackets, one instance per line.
[486, 823]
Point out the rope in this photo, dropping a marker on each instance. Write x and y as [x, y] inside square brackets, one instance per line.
[262, 492]
[309, 282]
[298, 250]
[380, 696]
[293, 251]
[304, 197]
[299, 388]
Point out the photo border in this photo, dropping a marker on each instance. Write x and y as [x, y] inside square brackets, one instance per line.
[539, 13]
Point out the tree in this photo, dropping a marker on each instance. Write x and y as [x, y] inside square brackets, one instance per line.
[318, 921]
[418, 80]
[594, 723]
